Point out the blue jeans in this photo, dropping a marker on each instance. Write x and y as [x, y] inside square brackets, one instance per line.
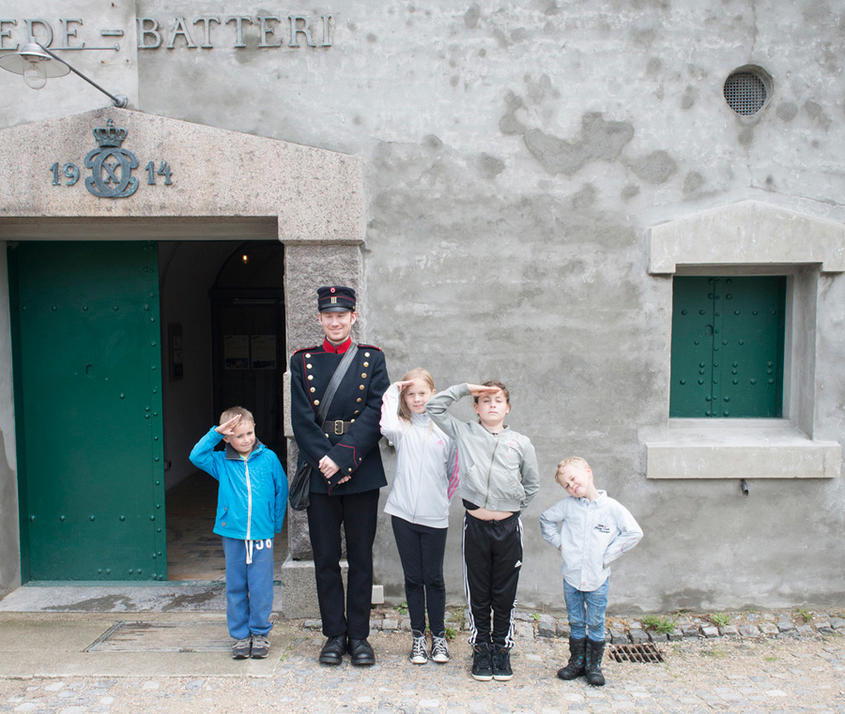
[586, 609]
[249, 588]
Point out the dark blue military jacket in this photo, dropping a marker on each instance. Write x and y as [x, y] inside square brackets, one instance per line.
[357, 400]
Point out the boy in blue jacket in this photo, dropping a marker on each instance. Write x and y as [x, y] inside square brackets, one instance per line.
[251, 500]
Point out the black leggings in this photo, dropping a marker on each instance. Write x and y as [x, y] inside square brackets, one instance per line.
[421, 550]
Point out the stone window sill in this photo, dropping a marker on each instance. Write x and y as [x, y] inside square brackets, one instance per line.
[736, 448]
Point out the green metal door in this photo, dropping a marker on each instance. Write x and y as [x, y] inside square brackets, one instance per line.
[727, 346]
[87, 365]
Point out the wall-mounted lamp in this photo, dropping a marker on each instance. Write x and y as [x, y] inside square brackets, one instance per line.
[36, 63]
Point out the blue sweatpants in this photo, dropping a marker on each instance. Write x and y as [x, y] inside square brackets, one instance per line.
[249, 587]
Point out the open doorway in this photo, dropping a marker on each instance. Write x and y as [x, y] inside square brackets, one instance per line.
[222, 316]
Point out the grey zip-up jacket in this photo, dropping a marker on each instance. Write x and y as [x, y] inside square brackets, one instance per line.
[498, 471]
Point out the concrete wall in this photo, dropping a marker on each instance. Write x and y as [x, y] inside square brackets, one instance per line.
[515, 157]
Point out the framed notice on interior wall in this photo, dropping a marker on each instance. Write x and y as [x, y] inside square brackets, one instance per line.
[263, 351]
[175, 355]
[235, 351]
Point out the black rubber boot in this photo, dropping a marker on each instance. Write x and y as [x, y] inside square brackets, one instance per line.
[592, 670]
[575, 666]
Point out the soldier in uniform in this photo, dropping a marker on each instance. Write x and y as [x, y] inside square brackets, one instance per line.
[347, 474]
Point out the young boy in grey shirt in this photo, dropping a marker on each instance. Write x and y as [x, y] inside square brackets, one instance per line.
[499, 477]
[591, 530]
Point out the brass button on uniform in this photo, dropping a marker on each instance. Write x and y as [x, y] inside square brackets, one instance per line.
[309, 366]
[316, 402]
[360, 386]
[358, 399]
[313, 389]
[363, 375]
[366, 364]
[356, 411]
[310, 376]
[366, 354]
[307, 355]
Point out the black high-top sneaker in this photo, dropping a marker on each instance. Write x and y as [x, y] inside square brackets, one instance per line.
[482, 664]
[502, 671]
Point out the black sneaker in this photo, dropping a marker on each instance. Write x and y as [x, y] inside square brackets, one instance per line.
[482, 665]
[502, 671]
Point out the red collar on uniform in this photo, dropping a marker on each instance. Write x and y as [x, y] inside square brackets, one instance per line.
[337, 349]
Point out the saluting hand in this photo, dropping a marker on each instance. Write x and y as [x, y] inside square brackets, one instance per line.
[478, 389]
[228, 428]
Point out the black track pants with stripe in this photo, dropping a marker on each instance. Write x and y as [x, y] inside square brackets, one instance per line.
[492, 561]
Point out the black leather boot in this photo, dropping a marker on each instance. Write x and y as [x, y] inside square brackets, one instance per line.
[592, 670]
[575, 667]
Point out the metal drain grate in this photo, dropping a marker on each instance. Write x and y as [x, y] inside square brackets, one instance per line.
[636, 653]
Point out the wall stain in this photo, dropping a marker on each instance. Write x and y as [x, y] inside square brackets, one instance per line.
[693, 183]
[629, 191]
[599, 140]
[490, 166]
[509, 124]
[817, 114]
[471, 16]
[786, 111]
[656, 167]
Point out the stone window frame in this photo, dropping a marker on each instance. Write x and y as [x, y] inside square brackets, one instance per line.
[750, 238]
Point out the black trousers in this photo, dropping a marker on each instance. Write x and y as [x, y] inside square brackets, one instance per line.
[421, 551]
[492, 561]
[358, 513]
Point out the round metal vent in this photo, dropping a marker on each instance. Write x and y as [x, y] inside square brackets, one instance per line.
[745, 92]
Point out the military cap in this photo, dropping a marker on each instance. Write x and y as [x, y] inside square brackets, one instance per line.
[335, 298]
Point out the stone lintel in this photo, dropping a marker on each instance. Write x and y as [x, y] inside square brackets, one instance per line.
[746, 233]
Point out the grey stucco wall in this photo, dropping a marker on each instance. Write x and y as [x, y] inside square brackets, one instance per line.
[515, 157]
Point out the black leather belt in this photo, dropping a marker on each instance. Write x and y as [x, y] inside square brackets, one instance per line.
[338, 427]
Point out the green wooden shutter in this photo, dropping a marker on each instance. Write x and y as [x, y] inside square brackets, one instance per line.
[727, 346]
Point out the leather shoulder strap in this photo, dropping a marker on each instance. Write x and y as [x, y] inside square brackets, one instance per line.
[337, 377]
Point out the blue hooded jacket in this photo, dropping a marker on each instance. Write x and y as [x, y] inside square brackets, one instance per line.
[253, 493]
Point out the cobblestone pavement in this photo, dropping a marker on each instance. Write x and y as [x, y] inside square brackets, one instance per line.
[790, 671]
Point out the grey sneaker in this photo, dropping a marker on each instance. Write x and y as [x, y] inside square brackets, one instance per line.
[439, 650]
[240, 648]
[260, 646]
[419, 653]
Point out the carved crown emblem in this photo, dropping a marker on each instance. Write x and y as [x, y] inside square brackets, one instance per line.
[109, 135]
